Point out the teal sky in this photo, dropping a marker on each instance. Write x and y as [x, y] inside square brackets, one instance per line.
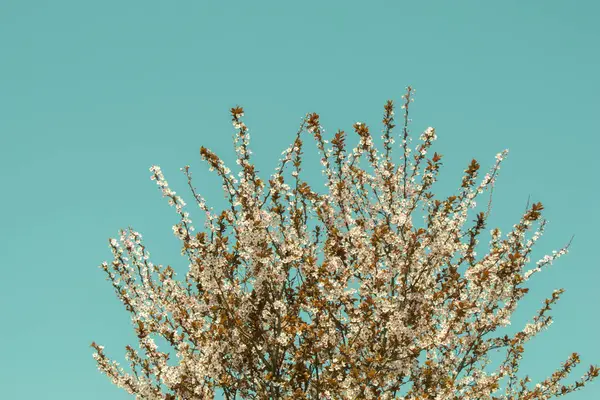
[93, 93]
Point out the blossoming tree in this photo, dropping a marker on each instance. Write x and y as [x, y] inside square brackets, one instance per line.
[292, 294]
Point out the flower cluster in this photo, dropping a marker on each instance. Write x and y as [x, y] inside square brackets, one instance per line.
[292, 294]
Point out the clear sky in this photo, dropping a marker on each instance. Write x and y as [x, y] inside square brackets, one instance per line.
[92, 93]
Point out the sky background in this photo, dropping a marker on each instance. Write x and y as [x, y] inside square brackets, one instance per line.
[93, 93]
